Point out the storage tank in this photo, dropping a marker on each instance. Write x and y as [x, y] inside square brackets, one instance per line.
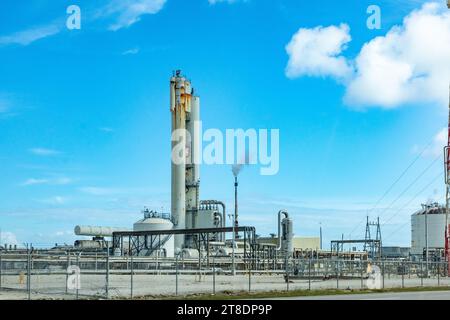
[189, 254]
[157, 222]
[435, 215]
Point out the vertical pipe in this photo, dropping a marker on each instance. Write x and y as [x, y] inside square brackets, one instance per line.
[214, 276]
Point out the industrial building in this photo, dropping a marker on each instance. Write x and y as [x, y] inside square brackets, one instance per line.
[194, 227]
[428, 231]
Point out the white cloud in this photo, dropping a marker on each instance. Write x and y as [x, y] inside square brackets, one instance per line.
[316, 52]
[131, 51]
[128, 12]
[8, 238]
[55, 181]
[44, 152]
[409, 64]
[28, 36]
[436, 147]
[56, 200]
[106, 129]
[96, 191]
[32, 181]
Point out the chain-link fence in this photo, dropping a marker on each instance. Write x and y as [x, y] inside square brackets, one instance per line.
[77, 276]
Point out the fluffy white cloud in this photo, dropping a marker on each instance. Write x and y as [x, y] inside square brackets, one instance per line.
[28, 36]
[409, 64]
[128, 12]
[316, 52]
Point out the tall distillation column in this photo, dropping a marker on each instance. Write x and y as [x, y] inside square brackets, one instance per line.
[185, 110]
[192, 167]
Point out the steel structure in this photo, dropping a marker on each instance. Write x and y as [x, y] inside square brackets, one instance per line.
[337, 246]
[368, 245]
[134, 242]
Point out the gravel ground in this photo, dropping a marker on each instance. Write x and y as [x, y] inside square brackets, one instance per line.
[53, 286]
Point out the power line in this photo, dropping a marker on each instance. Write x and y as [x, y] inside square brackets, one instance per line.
[408, 222]
[411, 184]
[396, 181]
[414, 198]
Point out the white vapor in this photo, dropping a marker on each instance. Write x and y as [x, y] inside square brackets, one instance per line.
[408, 64]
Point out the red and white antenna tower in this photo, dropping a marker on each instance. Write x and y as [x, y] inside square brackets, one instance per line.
[447, 195]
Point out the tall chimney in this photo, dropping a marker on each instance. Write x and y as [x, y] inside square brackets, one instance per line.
[180, 105]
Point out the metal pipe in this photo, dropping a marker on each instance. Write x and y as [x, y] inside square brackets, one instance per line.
[286, 215]
[224, 217]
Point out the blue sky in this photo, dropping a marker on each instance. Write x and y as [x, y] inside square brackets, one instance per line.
[85, 122]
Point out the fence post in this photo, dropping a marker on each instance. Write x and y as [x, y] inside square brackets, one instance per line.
[362, 275]
[439, 273]
[107, 271]
[249, 278]
[382, 271]
[78, 265]
[29, 274]
[309, 275]
[214, 275]
[337, 274]
[287, 273]
[67, 271]
[421, 273]
[176, 274]
[131, 278]
[403, 269]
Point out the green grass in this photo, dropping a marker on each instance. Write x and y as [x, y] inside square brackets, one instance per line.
[287, 294]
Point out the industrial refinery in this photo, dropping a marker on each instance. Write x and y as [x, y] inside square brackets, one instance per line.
[194, 228]
[325, 183]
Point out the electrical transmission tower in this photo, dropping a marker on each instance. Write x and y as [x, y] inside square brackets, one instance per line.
[373, 248]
